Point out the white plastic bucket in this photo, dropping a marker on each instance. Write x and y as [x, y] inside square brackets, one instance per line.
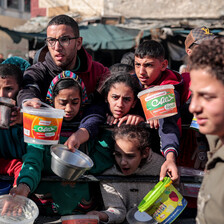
[28, 210]
[42, 125]
[158, 102]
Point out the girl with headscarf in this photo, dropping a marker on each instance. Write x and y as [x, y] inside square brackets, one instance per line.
[66, 92]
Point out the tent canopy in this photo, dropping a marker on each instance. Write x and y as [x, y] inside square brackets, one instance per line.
[95, 37]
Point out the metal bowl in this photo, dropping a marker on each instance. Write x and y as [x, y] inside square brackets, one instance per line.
[69, 165]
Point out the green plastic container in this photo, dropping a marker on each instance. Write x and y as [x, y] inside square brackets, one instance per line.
[164, 203]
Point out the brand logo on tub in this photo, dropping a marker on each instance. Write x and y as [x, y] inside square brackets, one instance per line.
[41, 122]
[161, 101]
[38, 128]
[155, 95]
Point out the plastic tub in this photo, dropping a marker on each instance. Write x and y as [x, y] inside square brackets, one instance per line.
[28, 214]
[80, 219]
[43, 125]
[5, 187]
[164, 203]
[6, 105]
[158, 102]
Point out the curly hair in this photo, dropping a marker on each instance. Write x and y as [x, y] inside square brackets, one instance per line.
[209, 55]
[138, 134]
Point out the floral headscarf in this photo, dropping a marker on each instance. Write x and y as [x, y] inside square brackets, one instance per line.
[65, 75]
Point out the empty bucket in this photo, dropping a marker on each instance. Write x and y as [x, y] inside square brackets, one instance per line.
[164, 203]
[42, 125]
[17, 210]
[6, 105]
[158, 102]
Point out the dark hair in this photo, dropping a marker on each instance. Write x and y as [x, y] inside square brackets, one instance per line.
[209, 55]
[10, 70]
[138, 134]
[66, 83]
[65, 20]
[150, 48]
[128, 59]
[119, 67]
[120, 77]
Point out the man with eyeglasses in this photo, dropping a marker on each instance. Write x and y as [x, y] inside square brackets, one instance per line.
[65, 53]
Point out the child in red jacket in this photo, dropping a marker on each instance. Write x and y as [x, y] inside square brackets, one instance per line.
[151, 69]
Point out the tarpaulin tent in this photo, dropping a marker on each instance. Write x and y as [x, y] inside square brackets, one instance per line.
[95, 37]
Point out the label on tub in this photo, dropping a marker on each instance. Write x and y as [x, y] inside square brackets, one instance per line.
[163, 101]
[159, 104]
[42, 128]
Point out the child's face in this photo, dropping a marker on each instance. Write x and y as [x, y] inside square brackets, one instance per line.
[128, 156]
[207, 102]
[68, 100]
[148, 70]
[120, 99]
[8, 87]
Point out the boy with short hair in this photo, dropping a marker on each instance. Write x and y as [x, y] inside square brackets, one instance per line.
[207, 85]
[12, 146]
[151, 69]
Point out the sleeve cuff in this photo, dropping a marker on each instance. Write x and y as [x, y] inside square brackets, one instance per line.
[168, 150]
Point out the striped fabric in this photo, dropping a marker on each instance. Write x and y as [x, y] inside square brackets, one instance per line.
[66, 75]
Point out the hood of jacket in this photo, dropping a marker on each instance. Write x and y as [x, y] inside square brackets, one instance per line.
[82, 55]
[180, 84]
[170, 77]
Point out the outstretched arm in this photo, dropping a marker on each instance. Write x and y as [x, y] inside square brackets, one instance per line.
[169, 167]
[77, 138]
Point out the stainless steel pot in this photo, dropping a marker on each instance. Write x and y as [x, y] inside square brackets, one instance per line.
[6, 105]
[69, 165]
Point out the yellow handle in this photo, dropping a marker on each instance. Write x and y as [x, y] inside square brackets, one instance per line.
[167, 185]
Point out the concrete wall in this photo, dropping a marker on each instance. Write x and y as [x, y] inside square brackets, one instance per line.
[36, 10]
[158, 9]
[7, 46]
[87, 7]
[165, 8]
[52, 3]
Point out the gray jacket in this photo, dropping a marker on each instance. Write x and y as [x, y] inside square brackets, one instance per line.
[211, 194]
[120, 197]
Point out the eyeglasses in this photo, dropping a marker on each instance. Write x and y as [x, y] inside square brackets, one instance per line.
[63, 41]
